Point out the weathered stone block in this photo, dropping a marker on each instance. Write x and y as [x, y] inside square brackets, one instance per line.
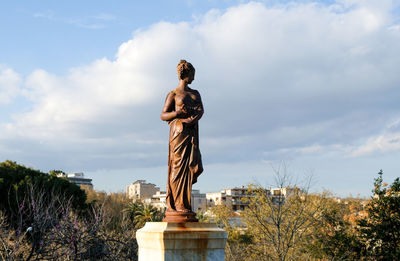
[190, 241]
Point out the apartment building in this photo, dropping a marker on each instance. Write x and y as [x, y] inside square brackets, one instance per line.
[78, 178]
[279, 194]
[158, 200]
[231, 197]
[141, 190]
[198, 201]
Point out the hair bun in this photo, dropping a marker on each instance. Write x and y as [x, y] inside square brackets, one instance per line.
[184, 68]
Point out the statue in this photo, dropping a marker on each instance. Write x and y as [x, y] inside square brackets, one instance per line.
[182, 110]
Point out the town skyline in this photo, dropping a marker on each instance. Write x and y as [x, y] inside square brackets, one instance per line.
[313, 84]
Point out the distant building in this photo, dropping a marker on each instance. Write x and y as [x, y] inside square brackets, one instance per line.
[233, 197]
[279, 194]
[198, 201]
[218, 198]
[78, 178]
[158, 200]
[229, 197]
[140, 190]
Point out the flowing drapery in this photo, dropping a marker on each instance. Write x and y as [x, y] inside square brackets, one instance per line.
[184, 164]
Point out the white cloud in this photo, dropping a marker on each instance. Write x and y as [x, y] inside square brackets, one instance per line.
[389, 141]
[10, 84]
[383, 143]
[303, 76]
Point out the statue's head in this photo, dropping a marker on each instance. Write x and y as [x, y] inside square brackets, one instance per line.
[185, 70]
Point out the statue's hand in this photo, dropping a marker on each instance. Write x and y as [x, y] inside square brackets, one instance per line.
[181, 113]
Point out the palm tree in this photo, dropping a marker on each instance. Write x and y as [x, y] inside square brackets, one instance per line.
[147, 213]
[131, 209]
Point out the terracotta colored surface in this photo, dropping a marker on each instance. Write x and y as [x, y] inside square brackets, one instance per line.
[182, 110]
[180, 217]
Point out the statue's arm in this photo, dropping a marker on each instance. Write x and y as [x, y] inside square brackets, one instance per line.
[168, 112]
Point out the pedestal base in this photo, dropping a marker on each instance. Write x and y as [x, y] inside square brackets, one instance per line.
[180, 217]
[191, 241]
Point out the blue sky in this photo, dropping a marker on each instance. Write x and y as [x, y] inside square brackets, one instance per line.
[312, 83]
[64, 34]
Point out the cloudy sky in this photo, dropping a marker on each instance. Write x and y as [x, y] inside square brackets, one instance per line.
[315, 84]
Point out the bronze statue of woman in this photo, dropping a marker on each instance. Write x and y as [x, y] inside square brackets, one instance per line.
[182, 110]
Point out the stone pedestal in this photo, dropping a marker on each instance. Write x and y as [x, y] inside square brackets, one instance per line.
[190, 241]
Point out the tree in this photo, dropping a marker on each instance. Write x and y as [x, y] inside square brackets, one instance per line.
[202, 217]
[380, 230]
[334, 237]
[238, 238]
[56, 172]
[140, 213]
[16, 181]
[52, 230]
[146, 213]
[281, 225]
[112, 203]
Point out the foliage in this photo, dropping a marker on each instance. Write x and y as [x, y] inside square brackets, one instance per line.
[281, 223]
[52, 230]
[202, 217]
[43, 217]
[16, 180]
[113, 204]
[380, 231]
[225, 218]
[56, 172]
[140, 213]
[333, 235]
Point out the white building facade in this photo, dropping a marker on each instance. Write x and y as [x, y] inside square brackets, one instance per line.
[141, 190]
[231, 197]
[78, 178]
